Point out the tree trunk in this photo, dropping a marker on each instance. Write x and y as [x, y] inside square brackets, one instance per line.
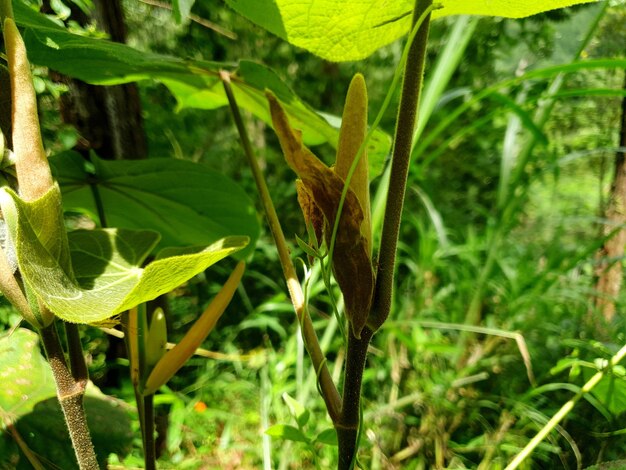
[108, 118]
[609, 271]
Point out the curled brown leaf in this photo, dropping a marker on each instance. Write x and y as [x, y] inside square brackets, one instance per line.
[351, 259]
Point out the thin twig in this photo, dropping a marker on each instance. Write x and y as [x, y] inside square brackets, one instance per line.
[329, 391]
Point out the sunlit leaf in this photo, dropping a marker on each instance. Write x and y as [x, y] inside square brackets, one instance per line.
[286, 432]
[23, 366]
[340, 30]
[108, 275]
[299, 412]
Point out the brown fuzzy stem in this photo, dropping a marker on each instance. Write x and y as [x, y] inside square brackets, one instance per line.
[70, 394]
[400, 159]
[348, 424]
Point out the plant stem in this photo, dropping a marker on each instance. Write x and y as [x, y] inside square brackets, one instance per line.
[400, 159]
[348, 424]
[95, 192]
[329, 391]
[149, 449]
[78, 366]
[70, 394]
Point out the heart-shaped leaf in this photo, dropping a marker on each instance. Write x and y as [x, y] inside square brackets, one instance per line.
[185, 202]
[108, 277]
[341, 30]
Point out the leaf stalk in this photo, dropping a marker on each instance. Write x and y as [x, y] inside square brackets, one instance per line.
[327, 386]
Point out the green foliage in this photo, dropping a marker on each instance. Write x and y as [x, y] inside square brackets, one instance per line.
[341, 30]
[45, 434]
[107, 276]
[182, 8]
[520, 236]
[30, 405]
[186, 203]
[26, 370]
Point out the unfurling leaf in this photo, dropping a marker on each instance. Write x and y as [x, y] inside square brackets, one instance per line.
[312, 215]
[351, 137]
[351, 260]
[33, 171]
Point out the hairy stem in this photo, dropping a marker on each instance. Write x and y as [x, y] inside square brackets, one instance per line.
[348, 424]
[400, 159]
[329, 391]
[70, 394]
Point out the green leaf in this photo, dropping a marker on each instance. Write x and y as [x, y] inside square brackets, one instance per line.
[328, 437]
[194, 83]
[45, 433]
[611, 392]
[341, 30]
[298, 411]
[286, 432]
[185, 202]
[108, 277]
[182, 8]
[23, 366]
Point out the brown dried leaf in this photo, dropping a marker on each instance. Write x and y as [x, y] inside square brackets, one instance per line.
[351, 260]
[312, 214]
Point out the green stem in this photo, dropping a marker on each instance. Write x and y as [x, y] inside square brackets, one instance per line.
[70, 394]
[6, 10]
[329, 391]
[400, 159]
[348, 424]
[95, 192]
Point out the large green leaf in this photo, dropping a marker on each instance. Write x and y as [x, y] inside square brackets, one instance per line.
[44, 432]
[185, 202]
[30, 403]
[108, 277]
[340, 30]
[22, 366]
[194, 83]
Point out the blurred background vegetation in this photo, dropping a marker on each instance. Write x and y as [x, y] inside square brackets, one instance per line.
[526, 261]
